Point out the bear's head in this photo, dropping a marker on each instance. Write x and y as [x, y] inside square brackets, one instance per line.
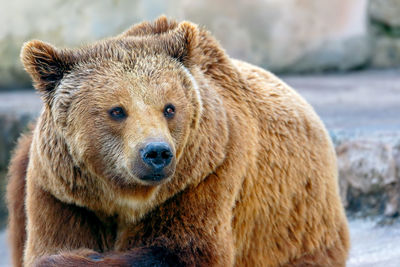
[129, 116]
[124, 106]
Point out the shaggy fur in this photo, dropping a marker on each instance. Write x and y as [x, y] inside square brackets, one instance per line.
[255, 181]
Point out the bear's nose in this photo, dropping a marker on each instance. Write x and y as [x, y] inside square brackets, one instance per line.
[156, 155]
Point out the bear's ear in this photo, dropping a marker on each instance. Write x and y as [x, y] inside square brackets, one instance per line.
[45, 64]
[182, 42]
[161, 25]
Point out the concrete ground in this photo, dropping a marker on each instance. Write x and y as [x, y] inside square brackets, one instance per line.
[372, 245]
[4, 250]
[360, 103]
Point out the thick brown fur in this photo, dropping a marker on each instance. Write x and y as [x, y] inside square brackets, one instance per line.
[255, 181]
[16, 198]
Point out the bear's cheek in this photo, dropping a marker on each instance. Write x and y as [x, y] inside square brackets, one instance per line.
[102, 153]
[179, 129]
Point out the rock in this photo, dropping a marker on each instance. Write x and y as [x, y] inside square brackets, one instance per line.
[3, 208]
[339, 55]
[386, 52]
[369, 179]
[17, 109]
[12, 126]
[393, 205]
[385, 11]
[384, 28]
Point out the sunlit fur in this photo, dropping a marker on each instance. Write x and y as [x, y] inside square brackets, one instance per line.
[255, 181]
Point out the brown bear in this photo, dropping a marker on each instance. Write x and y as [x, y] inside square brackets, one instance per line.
[154, 148]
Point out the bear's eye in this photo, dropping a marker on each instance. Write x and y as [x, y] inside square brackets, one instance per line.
[169, 111]
[117, 113]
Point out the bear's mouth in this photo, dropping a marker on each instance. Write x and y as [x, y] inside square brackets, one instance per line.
[150, 180]
[155, 177]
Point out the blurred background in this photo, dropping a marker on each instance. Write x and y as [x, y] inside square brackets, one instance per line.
[342, 56]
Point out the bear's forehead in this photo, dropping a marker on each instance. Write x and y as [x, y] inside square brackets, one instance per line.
[146, 70]
[117, 58]
[116, 69]
[150, 76]
[120, 60]
[126, 50]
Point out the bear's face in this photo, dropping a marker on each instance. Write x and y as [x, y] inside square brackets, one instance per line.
[126, 123]
[125, 107]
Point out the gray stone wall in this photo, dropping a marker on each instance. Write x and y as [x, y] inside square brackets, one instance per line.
[284, 36]
[384, 29]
